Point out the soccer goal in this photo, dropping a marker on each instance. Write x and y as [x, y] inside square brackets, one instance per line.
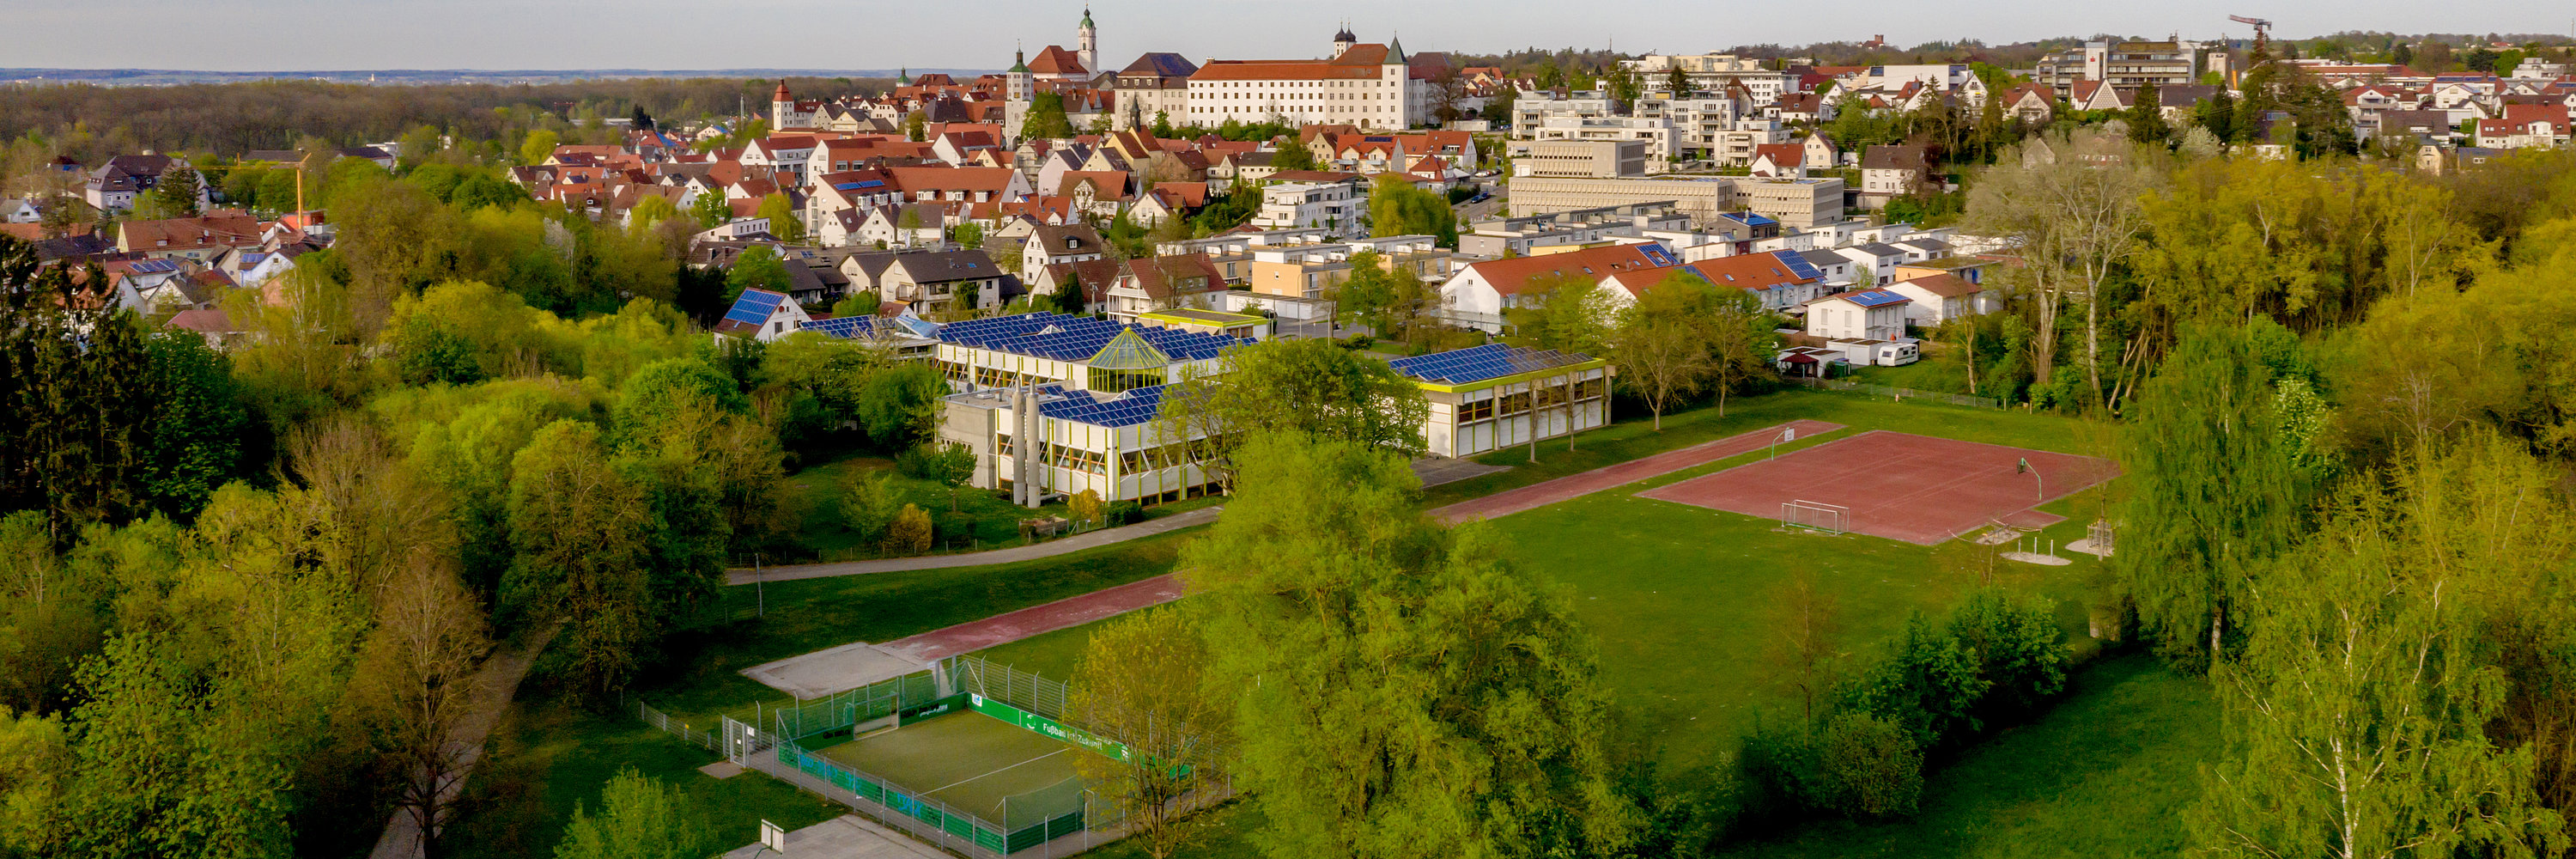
[1815, 516]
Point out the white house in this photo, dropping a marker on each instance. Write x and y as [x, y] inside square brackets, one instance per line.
[1290, 205]
[1874, 314]
[764, 316]
[1049, 245]
[1879, 258]
[1942, 297]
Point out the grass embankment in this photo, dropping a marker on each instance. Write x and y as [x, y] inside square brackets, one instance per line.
[2104, 773]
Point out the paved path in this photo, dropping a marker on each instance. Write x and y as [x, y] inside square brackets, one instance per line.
[1075, 543]
[850, 666]
[496, 684]
[1538, 495]
[976, 635]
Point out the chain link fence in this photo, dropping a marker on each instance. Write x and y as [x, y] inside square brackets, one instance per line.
[1907, 393]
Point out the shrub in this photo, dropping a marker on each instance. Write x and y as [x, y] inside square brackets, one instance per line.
[1926, 681]
[1868, 767]
[1086, 507]
[868, 503]
[2019, 650]
[910, 532]
[1125, 512]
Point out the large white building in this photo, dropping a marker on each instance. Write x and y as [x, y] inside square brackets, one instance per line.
[1053, 404]
[1368, 85]
[1331, 205]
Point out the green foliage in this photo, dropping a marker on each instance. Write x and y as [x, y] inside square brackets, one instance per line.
[197, 422]
[759, 267]
[77, 398]
[783, 222]
[538, 146]
[1292, 155]
[175, 196]
[428, 350]
[638, 818]
[2356, 714]
[1868, 767]
[900, 404]
[909, 533]
[579, 529]
[2212, 493]
[1927, 681]
[1046, 118]
[1404, 690]
[711, 209]
[868, 504]
[1307, 387]
[1399, 208]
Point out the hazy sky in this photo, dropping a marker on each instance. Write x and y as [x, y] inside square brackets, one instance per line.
[253, 35]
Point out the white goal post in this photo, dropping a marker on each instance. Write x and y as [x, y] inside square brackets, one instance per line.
[1815, 516]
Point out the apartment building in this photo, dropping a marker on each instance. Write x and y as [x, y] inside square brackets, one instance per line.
[1582, 158]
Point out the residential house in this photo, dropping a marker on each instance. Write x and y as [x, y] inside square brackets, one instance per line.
[1479, 293]
[1938, 298]
[1889, 172]
[1873, 314]
[1049, 245]
[1149, 284]
[762, 315]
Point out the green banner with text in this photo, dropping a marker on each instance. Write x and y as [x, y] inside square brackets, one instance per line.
[1043, 725]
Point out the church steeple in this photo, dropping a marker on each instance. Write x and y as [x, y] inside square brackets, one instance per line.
[1086, 43]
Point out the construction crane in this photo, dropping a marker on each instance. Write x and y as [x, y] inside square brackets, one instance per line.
[2261, 25]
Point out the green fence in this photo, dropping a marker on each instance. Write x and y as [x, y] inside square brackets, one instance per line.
[1028, 819]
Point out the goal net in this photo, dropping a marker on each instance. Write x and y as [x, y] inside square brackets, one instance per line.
[1815, 516]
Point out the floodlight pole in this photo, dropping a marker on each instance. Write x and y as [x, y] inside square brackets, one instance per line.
[2042, 481]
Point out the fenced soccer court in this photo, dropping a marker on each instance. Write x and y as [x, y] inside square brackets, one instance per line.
[1900, 486]
[976, 758]
[970, 762]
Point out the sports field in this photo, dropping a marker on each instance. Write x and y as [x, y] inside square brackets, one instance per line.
[1901, 486]
[969, 761]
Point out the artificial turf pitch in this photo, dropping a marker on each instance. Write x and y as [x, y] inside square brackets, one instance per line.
[967, 760]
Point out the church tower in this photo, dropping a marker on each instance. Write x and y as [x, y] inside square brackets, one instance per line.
[1086, 43]
[782, 107]
[1016, 93]
[1343, 41]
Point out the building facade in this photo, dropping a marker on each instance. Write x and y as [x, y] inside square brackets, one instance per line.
[1490, 397]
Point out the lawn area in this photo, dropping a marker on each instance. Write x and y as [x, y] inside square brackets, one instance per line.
[1634, 436]
[2104, 773]
[1937, 371]
[546, 754]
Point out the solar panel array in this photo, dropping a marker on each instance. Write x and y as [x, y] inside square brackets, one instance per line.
[156, 266]
[844, 326]
[754, 307]
[1480, 363]
[1798, 265]
[1107, 410]
[1872, 298]
[1059, 337]
[1657, 255]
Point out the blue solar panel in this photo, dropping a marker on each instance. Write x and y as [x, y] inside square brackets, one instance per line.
[1798, 265]
[1872, 298]
[1480, 363]
[1102, 409]
[1656, 255]
[844, 327]
[754, 307]
[1059, 337]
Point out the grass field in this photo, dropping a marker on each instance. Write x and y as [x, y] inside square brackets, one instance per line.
[970, 761]
[2105, 773]
[1676, 594]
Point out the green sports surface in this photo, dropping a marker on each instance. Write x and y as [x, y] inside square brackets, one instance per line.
[967, 760]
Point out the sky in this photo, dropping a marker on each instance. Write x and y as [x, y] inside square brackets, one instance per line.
[303, 35]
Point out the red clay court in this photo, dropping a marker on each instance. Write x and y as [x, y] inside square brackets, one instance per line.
[1901, 486]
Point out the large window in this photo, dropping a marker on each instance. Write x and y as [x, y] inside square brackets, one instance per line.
[1124, 380]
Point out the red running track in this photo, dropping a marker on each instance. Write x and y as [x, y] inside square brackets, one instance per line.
[1901, 486]
[976, 635]
[1571, 486]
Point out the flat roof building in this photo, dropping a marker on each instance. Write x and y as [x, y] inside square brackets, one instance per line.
[1490, 397]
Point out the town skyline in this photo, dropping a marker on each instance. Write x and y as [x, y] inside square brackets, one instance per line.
[402, 34]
